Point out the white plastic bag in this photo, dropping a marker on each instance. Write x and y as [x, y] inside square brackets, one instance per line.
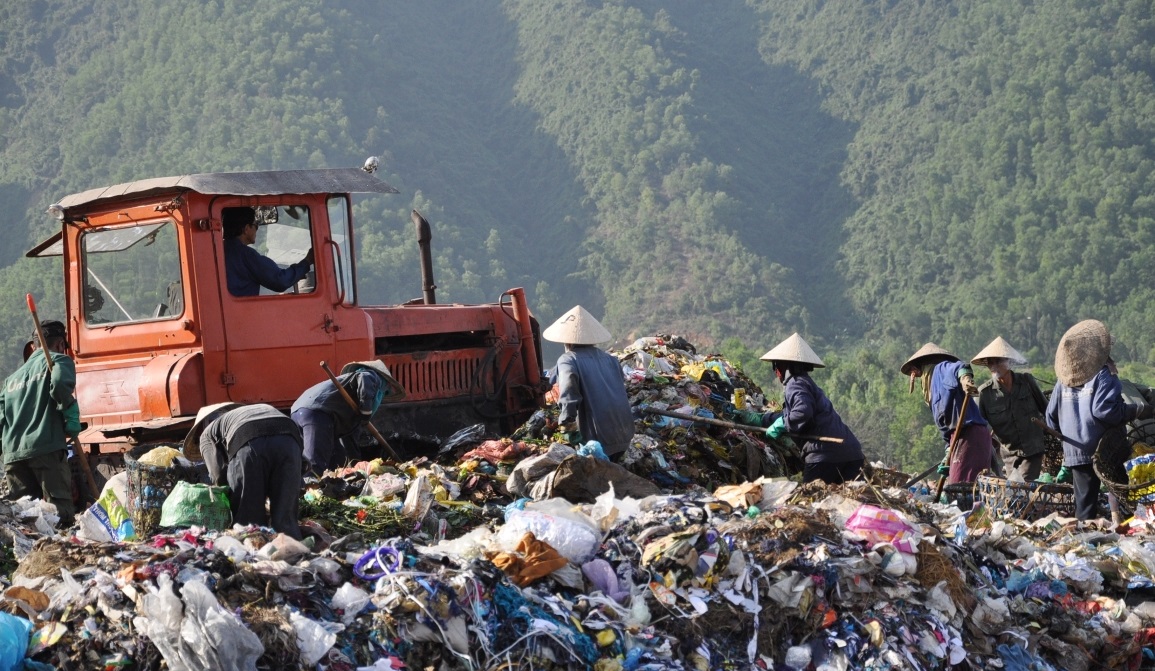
[350, 600]
[203, 636]
[313, 638]
[554, 521]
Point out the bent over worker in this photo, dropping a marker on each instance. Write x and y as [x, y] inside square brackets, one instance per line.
[806, 409]
[38, 413]
[592, 399]
[1010, 401]
[1087, 407]
[255, 450]
[947, 385]
[326, 419]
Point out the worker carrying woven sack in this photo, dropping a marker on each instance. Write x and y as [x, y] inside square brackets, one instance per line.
[947, 385]
[592, 400]
[807, 410]
[1087, 407]
[1010, 401]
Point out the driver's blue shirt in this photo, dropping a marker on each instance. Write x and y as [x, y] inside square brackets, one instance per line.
[247, 271]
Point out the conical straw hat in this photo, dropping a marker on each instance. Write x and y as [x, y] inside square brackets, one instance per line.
[929, 353]
[394, 391]
[999, 349]
[577, 327]
[1083, 350]
[192, 445]
[794, 348]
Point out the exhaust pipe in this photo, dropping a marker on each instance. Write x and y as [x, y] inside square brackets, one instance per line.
[424, 235]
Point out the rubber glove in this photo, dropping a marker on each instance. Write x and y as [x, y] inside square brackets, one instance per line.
[943, 469]
[571, 434]
[1065, 475]
[748, 417]
[72, 420]
[776, 429]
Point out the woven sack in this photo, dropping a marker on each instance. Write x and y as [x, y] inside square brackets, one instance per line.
[196, 505]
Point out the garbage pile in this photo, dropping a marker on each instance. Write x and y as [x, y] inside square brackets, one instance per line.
[436, 564]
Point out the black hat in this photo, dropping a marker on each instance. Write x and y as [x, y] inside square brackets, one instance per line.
[54, 329]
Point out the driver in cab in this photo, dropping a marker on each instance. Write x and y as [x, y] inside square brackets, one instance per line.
[245, 268]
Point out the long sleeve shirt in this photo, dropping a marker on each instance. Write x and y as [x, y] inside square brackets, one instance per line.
[227, 434]
[364, 385]
[1083, 414]
[246, 270]
[806, 409]
[592, 391]
[947, 397]
[1010, 413]
[32, 405]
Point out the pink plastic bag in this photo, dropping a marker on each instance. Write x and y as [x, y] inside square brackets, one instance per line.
[880, 525]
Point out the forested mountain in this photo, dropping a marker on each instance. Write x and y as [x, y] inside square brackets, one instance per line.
[873, 174]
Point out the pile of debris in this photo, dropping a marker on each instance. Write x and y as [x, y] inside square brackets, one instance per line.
[701, 554]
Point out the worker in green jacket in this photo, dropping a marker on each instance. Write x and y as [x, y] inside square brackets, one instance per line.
[38, 413]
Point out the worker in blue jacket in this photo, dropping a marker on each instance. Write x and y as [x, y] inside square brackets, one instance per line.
[1088, 408]
[246, 269]
[326, 418]
[592, 399]
[806, 410]
[947, 387]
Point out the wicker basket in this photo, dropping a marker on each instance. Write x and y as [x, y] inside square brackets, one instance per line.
[1026, 500]
[1052, 455]
[1110, 455]
[147, 488]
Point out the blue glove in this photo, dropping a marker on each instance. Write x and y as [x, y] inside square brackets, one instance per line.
[776, 429]
[72, 420]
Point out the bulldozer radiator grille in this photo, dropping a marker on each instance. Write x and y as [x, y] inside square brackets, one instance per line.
[440, 376]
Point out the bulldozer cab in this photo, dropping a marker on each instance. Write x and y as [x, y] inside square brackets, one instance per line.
[157, 326]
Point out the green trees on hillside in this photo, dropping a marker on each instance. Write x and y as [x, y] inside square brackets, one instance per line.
[1003, 157]
[664, 252]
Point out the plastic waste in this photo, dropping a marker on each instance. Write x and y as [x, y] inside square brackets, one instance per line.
[467, 436]
[314, 638]
[553, 521]
[593, 449]
[350, 600]
[14, 633]
[798, 657]
[198, 634]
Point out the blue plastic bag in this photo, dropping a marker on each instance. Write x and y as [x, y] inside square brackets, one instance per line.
[14, 633]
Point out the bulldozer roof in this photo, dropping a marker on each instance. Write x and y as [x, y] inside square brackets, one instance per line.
[265, 183]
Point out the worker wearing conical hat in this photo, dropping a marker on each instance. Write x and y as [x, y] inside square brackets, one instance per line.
[1087, 407]
[592, 399]
[807, 410]
[947, 385]
[1010, 401]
